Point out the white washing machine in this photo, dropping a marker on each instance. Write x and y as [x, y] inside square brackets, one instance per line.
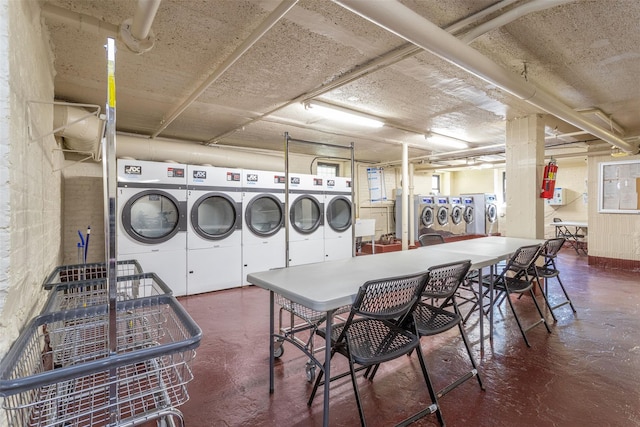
[441, 222]
[426, 216]
[306, 219]
[415, 205]
[152, 219]
[214, 232]
[469, 215]
[491, 214]
[338, 241]
[263, 233]
[457, 225]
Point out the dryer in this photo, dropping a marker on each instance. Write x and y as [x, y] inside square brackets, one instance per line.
[263, 233]
[457, 224]
[306, 219]
[415, 205]
[441, 222]
[338, 239]
[473, 208]
[491, 214]
[214, 231]
[426, 215]
[152, 219]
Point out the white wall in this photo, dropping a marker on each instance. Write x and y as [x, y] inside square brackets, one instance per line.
[572, 177]
[30, 186]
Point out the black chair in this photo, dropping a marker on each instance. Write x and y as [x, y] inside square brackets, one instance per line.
[429, 239]
[517, 278]
[372, 334]
[442, 283]
[549, 270]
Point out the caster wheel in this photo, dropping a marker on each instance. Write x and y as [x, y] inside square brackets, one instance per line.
[310, 370]
[278, 349]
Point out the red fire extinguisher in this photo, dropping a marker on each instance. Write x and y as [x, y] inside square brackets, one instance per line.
[549, 180]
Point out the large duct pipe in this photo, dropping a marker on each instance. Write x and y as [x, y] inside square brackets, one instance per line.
[79, 21]
[80, 129]
[196, 154]
[407, 24]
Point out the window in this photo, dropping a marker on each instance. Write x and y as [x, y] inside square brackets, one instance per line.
[435, 184]
[327, 170]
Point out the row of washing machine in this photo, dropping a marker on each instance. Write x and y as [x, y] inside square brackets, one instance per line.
[204, 228]
[464, 214]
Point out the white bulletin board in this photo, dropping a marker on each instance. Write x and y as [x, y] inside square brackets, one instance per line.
[619, 187]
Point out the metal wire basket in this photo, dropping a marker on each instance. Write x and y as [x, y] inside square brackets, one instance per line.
[82, 294]
[60, 371]
[81, 272]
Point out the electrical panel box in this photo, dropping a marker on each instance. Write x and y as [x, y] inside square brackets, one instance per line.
[559, 197]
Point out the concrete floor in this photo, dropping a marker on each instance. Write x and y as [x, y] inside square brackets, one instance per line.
[585, 373]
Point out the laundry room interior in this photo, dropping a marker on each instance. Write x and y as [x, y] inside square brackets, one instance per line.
[184, 162]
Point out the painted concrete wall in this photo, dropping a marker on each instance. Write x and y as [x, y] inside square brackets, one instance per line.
[30, 185]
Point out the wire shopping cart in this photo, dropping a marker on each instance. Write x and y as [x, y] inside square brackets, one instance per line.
[60, 371]
[311, 321]
[81, 272]
[81, 294]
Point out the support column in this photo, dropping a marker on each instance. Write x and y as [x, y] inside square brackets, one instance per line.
[525, 160]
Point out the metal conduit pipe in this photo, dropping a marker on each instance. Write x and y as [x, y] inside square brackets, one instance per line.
[407, 24]
[79, 21]
[143, 18]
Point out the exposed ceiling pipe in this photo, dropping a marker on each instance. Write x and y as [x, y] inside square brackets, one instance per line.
[458, 26]
[510, 16]
[407, 24]
[604, 117]
[136, 32]
[79, 21]
[255, 36]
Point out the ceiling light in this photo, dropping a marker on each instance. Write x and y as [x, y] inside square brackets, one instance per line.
[445, 141]
[617, 152]
[344, 115]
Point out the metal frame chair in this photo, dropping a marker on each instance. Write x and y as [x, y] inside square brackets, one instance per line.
[372, 334]
[429, 239]
[517, 277]
[549, 270]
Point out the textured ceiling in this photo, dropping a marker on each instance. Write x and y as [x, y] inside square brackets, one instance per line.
[586, 53]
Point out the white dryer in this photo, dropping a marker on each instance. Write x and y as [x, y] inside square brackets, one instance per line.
[469, 215]
[491, 214]
[263, 234]
[457, 224]
[214, 232]
[427, 214]
[152, 219]
[338, 241]
[441, 222]
[306, 219]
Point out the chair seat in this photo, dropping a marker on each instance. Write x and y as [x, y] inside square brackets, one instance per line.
[431, 320]
[516, 285]
[373, 341]
[547, 273]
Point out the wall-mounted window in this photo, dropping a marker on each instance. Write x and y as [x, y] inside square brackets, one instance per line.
[328, 170]
[435, 184]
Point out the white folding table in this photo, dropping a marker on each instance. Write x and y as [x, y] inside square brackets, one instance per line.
[571, 231]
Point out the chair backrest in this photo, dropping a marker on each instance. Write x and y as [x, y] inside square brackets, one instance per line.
[444, 279]
[430, 239]
[389, 298]
[552, 246]
[522, 258]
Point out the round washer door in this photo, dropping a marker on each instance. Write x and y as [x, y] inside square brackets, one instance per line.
[468, 214]
[151, 216]
[215, 216]
[339, 214]
[264, 215]
[456, 214]
[443, 215]
[306, 214]
[492, 213]
[426, 216]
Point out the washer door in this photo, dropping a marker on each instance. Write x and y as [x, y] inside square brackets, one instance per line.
[215, 216]
[492, 213]
[456, 214]
[426, 216]
[468, 214]
[306, 214]
[339, 214]
[264, 215]
[443, 215]
[152, 216]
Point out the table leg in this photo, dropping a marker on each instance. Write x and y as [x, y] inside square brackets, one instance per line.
[481, 310]
[271, 344]
[492, 276]
[327, 368]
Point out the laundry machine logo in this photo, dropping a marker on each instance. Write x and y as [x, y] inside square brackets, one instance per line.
[133, 170]
[252, 177]
[199, 175]
[331, 183]
[175, 172]
[295, 180]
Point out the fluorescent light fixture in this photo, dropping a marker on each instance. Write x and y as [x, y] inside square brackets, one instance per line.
[343, 115]
[445, 141]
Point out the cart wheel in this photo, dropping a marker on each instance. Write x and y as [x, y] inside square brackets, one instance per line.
[310, 370]
[278, 349]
